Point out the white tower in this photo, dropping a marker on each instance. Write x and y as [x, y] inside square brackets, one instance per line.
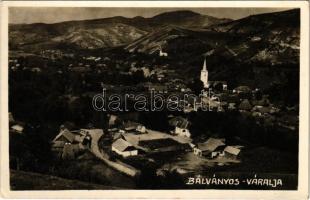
[161, 53]
[204, 75]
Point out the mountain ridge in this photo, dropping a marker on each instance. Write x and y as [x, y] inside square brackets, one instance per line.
[21, 34]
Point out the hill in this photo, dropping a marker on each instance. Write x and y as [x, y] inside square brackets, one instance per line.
[187, 19]
[259, 50]
[271, 38]
[100, 33]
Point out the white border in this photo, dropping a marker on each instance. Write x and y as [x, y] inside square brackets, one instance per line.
[302, 191]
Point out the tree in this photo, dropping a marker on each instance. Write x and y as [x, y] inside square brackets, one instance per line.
[196, 86]
[219, 87]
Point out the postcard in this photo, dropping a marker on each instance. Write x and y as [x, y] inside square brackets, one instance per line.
[155, 99]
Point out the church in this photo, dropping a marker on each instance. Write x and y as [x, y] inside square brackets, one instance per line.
[210, 84]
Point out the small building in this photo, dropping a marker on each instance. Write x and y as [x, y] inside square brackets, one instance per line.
[261, 109]
[184, 132]
[131, 126]
[180, 125]
[218, 85]
[17, 128]
[231, 152]
[161, 53]
[245, 105]
[58, 146]
[36, 69]
[70, 151]
[141, 129]
[210, 147]
[242, 89]
[78, 139]
[178, 121]
[231, 106]
[65, 136]
[112, 120]
[124, 148]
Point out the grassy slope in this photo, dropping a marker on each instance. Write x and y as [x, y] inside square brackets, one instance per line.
[21, 180]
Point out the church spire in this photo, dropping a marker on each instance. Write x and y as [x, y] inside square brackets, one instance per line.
[204, 74]
[204, 68]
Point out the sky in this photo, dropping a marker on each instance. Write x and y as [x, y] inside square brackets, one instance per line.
[28, 15]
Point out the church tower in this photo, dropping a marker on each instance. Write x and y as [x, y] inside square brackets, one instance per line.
[204, 75]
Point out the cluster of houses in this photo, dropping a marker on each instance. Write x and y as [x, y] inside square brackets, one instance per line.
[73, 144]
[15, 65]
[128, 138]
[158, 73]
[216, 147]
[135, 139]
[55, 54]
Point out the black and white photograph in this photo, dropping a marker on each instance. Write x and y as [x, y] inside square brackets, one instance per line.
[154, 98]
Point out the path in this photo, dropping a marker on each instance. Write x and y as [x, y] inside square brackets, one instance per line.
[118, 165]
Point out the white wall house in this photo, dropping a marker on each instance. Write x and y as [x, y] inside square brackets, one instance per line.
[17, 128]
[124, 148]
[162, 54]
[184, 132]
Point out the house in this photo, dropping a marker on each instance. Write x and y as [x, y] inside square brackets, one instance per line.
[161, 53]
[65, 136]
[210, 147]
[124, 148]
[261, 109]
[36, 69]
[184, 132]
[67, 144]
[242, 89]
[57, 146]
[231, 106]
[181, 125]
[141, 129]
[70, 151]
[130, 125]
[232, 152]
[245, 105]
[218, 85]
[17, 128]
[146, 71]
[112, 120]
[178, 121]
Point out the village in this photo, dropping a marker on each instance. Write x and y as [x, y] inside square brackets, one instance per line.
[126, 142]
[153, 99]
